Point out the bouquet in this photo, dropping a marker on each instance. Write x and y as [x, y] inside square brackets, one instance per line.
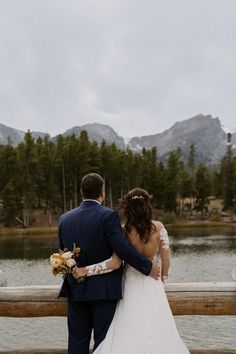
[64, 261]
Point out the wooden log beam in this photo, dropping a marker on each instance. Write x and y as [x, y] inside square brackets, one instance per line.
[213, 299]
[213, 351]
[184, 298]
[64, 351]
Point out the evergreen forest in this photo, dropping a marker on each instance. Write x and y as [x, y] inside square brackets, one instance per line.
[45, 174]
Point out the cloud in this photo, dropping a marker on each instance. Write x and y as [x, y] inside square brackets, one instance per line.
[138, 66]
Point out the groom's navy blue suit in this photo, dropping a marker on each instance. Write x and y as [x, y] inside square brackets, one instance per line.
[91, 304]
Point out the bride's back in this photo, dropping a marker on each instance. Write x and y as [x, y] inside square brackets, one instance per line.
[149, 237]
[141, 230]
[150, 248]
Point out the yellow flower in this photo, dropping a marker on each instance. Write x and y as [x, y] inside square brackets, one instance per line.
[77, 250]
[57, 260]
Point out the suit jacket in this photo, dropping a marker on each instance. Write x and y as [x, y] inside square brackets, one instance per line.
[96, 229]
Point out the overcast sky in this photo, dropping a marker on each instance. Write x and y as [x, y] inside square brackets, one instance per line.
[137, 65]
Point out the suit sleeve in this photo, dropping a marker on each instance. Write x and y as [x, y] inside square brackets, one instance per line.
[61, 244]
[122, 247]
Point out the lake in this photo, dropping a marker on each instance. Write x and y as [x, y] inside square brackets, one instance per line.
[198, 255]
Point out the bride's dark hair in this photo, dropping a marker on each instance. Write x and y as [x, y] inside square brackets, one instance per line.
[138, 213]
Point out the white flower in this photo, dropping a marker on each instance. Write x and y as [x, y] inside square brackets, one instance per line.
[67, 255]
[70, 262]
[54, 254]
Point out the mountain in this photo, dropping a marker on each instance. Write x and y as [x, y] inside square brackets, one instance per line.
[39, 134]
[15, 135]
[204, 132]
[98, 132]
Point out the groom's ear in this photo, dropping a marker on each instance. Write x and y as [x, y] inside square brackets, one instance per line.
[102, 193]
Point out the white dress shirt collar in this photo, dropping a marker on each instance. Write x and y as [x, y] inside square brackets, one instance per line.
[91, 200]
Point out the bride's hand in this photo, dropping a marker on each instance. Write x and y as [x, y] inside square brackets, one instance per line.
[155, 271]
[79, 272]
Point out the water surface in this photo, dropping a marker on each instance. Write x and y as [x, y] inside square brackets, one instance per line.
[198, 255]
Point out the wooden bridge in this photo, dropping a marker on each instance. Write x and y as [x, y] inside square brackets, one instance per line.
[212, 299]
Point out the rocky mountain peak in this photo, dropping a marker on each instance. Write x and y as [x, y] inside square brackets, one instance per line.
[97, 132]
[205, 132]
[14, 135]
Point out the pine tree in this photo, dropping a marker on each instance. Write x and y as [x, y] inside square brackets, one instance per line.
[47, 188]
[11, 204]
[202, 187]
[9, 184]
[161, 185]
[227, 172]
[28, 171]
[172, 182]
[59, 170]
[191, 169]
[149, 171]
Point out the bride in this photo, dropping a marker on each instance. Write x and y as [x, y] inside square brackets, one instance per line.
[143, 322]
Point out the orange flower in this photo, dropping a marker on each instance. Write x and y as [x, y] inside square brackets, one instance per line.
[56, 271]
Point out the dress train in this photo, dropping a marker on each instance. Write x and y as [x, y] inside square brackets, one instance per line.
[143, 322]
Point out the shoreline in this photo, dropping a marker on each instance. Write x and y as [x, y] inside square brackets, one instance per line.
[29, 231]
[53, 230]
[207, 224]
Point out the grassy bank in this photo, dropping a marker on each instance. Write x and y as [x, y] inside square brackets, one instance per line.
[53, 230]
[29, 231]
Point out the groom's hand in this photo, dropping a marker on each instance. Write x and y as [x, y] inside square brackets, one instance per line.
[155, 271]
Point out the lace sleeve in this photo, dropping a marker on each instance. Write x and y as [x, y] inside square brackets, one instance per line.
[164, 251]
[103, 267]
[165, 243]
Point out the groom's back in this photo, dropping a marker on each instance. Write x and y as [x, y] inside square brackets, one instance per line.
[85, 227]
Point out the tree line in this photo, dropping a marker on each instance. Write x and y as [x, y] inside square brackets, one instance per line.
[40, 173]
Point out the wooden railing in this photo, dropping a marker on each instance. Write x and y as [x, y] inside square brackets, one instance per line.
[215, 299]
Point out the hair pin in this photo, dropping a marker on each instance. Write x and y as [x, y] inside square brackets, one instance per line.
[137, 197]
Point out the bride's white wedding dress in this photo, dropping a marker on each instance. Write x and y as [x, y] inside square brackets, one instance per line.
[143, 322]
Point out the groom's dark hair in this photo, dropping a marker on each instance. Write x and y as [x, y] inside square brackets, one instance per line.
[91, 186]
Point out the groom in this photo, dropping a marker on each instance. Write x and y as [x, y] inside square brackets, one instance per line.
[97, 231]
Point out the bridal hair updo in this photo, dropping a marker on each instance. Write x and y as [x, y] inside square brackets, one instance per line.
[138, 213]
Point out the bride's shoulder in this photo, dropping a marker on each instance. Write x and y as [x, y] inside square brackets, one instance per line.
[158, 225]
